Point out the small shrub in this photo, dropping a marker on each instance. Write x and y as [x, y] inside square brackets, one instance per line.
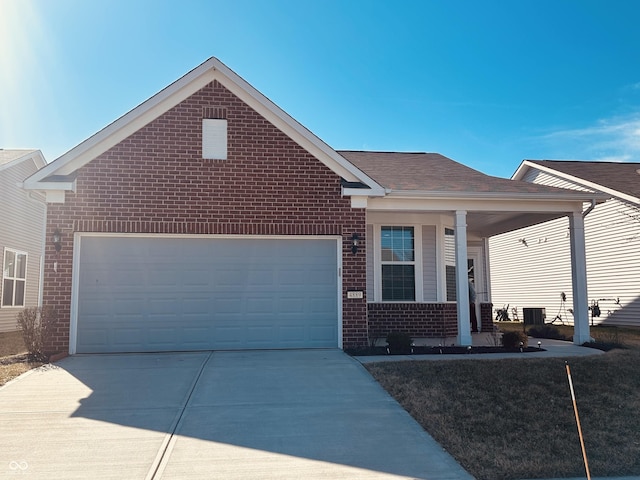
[546, 331]
[514, 340]
[36, 324]
[608, 336]
[399, 342]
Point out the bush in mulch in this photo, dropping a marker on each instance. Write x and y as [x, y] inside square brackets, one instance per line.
[546, 331]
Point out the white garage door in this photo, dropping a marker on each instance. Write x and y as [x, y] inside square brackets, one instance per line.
[144, 294]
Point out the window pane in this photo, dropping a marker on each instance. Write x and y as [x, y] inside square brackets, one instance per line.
[451, 283]
[398, 283]
[397, 244]
[9, 263]
[21, 265]
[19, 300]
[7, 292]
[387, 244]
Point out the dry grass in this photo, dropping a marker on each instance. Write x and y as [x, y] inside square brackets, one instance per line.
[627, 336]
[13, 357]
[11, 343]
[510, 419]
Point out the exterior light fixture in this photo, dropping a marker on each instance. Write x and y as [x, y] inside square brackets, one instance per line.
[355, 243]
[57, 240]
[539, 345]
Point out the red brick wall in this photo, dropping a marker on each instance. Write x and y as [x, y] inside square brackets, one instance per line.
[156, 181]
[427, 320]
[486, 317]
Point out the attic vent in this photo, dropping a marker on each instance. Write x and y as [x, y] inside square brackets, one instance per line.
[214, 138]
[214, 112]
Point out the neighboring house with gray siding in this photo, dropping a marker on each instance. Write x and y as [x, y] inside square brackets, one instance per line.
[532, 266]
[21, 235]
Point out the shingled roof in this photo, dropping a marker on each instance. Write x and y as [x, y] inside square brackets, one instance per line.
[432, 172]
[622, 177]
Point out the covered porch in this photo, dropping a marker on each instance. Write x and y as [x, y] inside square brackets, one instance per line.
[427, 241]
[447, 251]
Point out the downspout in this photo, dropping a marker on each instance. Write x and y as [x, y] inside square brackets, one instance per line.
[591, 207]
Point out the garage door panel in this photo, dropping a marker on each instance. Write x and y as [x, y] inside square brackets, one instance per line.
[195, 277]
[259, 305]
[195, 306]
[186, 293]
[162, 306]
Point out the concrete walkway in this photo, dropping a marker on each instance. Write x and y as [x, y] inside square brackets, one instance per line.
[312, 414]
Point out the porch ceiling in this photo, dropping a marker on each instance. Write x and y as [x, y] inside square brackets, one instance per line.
[487, 224]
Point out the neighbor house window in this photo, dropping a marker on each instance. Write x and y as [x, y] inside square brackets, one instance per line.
[14, 276]
[214, 138]
[398, 264]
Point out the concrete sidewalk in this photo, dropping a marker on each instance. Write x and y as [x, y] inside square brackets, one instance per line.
[313, 414]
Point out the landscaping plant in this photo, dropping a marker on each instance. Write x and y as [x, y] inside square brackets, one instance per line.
[36, 324]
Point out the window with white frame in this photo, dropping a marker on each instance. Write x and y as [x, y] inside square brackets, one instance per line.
[14, 278]
[398, 264]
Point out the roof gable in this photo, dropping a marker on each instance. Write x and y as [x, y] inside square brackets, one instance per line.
[618, 179]
[65, 166]
[11, 157]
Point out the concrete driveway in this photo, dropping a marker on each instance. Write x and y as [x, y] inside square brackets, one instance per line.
[229, 415]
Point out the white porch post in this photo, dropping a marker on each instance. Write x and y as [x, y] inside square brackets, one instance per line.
[462, 280]
[581, 332]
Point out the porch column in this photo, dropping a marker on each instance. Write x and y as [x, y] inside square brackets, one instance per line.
[462, 279]
[581, 332]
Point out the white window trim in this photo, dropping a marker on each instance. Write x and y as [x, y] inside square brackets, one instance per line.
[14, 278]
[417, 262]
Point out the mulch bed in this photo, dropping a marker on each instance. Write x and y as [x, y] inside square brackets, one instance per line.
[437, 350]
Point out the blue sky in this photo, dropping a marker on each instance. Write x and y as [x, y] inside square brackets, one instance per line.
[487, 83]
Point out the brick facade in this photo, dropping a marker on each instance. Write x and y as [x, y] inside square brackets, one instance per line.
[486, 317]
[426, 320]
[155, 181]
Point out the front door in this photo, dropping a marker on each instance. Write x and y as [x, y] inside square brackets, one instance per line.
[475, 272]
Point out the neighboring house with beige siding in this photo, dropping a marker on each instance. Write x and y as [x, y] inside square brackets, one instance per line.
[532, 266]
[21, 235]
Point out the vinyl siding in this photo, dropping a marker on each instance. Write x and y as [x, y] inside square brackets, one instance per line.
[534, 276]
[21, 229]
[429, 267]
